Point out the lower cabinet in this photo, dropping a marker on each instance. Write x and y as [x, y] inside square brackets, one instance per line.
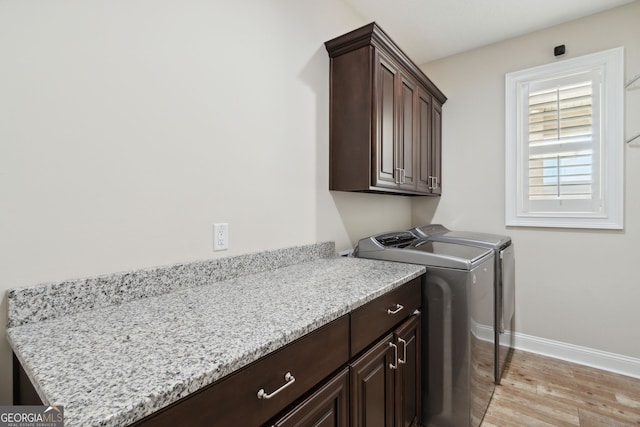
[385, 380]
[372, 386]
[408, 375]
[380, 388]
[381, 385]
[327, 407]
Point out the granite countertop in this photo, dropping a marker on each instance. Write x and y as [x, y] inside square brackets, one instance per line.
[115, 364]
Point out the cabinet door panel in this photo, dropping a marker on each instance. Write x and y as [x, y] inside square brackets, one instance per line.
[328, 407]
[406, 142]
[386, 152]
[425, 155]
[408, 387]
[436, 144]
[384, 168]
[372, 388]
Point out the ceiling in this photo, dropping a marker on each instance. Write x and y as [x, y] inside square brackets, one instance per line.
[431, 29]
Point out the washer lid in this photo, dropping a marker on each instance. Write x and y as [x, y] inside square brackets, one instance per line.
[403, 247]
[441, 233]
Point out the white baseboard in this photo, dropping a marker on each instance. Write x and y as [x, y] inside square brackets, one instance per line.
[611, 362]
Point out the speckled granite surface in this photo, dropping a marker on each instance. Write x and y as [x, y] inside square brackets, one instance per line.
[114, 365]
[37, 303]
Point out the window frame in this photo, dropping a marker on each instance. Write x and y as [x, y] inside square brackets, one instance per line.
[610, 214]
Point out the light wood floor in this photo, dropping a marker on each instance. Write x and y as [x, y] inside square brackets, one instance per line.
[541, 391]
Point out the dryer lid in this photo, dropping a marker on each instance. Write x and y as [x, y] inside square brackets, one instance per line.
[441, 233]
[449, 250]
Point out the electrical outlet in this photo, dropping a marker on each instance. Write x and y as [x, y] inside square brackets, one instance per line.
[220, 237]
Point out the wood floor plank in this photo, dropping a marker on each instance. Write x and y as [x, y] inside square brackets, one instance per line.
[607, 380]
[576, 393]
[594, 419]
[542, 391]
[629, 401]
[534, 406]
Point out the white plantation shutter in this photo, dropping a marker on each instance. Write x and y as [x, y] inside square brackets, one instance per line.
[560, 139]
[566, 175]
[564, 143]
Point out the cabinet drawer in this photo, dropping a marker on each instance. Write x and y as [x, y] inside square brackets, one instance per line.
[234, 401]
[375, 318]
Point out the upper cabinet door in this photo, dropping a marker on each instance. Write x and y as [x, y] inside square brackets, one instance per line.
[425, 151]
[436, 148]
[384, 159]
[393, 164]
[407, 132]
[429, 144]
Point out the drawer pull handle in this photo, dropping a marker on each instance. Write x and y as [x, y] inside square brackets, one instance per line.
[404, 351]
[290, 379]
[396, 311]
[395, 357]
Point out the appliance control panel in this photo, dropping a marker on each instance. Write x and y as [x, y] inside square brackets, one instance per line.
[399, 240]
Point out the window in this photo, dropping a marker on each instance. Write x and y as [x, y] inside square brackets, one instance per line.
[564, 143]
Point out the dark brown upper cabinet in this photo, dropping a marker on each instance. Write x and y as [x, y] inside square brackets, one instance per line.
[385, 118]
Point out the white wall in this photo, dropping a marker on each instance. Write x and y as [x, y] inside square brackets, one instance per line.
[127, 128]
[573, 286]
